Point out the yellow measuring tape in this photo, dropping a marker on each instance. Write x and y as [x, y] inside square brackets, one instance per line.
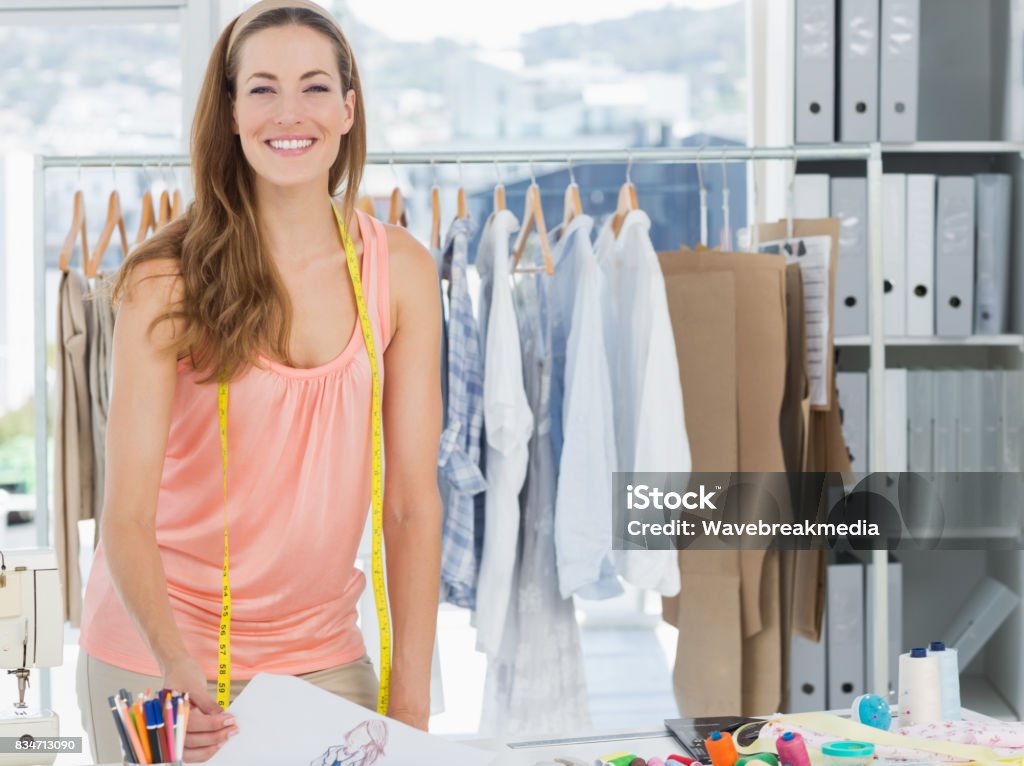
[376, 497]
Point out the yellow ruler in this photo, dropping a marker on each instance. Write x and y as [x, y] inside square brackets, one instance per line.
[376, 498]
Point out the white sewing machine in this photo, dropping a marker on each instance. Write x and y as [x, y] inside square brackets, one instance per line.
[31, 636]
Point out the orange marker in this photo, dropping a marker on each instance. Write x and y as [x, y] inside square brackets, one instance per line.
[721, 749]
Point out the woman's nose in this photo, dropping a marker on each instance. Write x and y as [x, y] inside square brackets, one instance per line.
[289, 110]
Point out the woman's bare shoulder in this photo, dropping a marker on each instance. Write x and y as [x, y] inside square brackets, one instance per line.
[411, 264]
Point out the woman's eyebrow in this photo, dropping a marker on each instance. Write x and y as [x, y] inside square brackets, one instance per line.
[306, 76]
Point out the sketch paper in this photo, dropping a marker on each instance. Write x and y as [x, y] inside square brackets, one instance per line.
[285, 721]
[814, 254]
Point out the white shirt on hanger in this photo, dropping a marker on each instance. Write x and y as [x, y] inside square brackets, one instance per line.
[508, 424]
[583, 505]
[650, 428]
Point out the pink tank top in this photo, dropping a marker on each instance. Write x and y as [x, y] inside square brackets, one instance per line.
[298, 494]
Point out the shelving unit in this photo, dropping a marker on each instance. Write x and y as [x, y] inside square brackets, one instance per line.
[1009, 341]
[994, 683]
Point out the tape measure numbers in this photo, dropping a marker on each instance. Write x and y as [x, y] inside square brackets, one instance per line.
[376, 499]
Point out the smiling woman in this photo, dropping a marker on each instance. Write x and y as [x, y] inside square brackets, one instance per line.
[323, 324]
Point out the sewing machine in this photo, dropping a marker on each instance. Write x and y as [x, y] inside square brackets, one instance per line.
[31, 636]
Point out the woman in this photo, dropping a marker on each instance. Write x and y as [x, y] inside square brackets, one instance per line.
[252, 285]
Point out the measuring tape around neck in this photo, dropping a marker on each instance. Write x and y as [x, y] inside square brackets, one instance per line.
[376, 499]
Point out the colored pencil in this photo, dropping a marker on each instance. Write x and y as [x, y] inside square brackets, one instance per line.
[122, 734]
[169, 728]
[140, 725]
[133, 734]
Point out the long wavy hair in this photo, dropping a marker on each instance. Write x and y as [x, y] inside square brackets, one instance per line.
[234, 304]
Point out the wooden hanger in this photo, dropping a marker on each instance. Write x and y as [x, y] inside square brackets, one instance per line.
[175, 204]
[533, 217]
[164, 210]
[365, 203]
[147, 223]
[573, 206]
[77, 231]
[499, 197]
[462, 210]
[396, 213]
[627, 204]
[435, 218]
[114, 218]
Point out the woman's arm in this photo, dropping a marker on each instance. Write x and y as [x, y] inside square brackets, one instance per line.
[140, 414]
[142, 392]
[412, 505]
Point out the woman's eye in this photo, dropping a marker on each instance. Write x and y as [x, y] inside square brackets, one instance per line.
[318, 88]
[260, 89]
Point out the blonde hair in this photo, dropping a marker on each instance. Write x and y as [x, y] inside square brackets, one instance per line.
[234, 304]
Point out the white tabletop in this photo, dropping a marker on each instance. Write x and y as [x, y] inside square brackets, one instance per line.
[655, 740]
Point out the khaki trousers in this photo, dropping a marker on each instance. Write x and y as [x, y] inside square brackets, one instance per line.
[97, 680]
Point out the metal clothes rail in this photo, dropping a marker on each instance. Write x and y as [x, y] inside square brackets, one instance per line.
[870, 154]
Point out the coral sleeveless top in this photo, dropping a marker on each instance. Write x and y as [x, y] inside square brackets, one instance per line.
[298, 494]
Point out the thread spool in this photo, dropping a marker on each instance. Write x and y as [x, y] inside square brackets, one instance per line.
[920, 697]
[949, 679]
[792, 749]
[721, 749]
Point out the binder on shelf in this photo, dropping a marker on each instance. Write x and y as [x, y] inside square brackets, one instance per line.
[895, 420]
[920, 254]
[815, 71]
[895, 623]
[807, 692]
[954, 256]
[844, 612]
[992, 419]
[945, 432]
[1012, 441]
[970, 415]
[853, 407]
[858, 71]
[920, 409]
[988, 605]
[894, 252]
[992, 196]
[811, 195]
[899, 50]
[850, 206]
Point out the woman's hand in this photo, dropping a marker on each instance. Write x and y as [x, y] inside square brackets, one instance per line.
[209, 727]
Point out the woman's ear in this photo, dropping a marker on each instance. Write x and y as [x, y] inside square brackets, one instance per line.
[350, 111]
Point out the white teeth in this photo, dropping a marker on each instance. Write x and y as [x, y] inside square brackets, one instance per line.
[292, 144]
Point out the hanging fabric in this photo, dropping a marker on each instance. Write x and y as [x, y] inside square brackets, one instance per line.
[650, 427]
[459, 454]
[582, 413]
[508, 424]
[538, 684]
[73, 493]
[100, 343]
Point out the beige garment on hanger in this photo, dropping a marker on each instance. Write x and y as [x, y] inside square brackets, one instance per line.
[729, 656]
[100, 345]
[73, 493]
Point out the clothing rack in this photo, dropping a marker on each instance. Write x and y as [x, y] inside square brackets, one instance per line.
[870, 154]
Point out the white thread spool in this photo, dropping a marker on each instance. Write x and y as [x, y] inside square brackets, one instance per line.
[949, 679]
[920, 697]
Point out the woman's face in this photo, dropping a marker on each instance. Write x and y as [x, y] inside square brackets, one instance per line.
[290, 111]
